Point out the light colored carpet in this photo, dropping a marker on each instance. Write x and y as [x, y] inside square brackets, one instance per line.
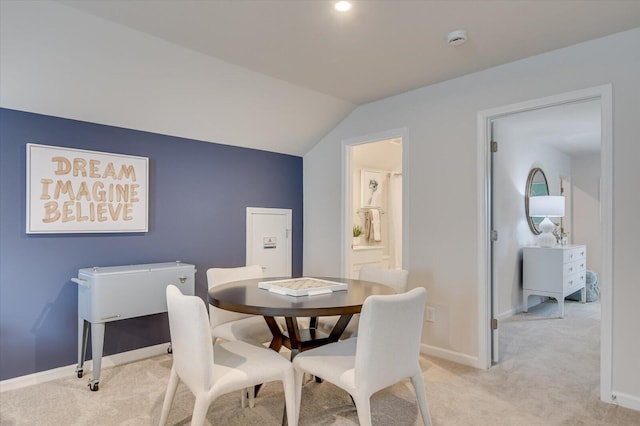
[549, 375]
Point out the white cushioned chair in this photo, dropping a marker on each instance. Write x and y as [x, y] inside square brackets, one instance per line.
[395, 278]
[209, 370]
[385, 352]
[235, 326]
[229, 326]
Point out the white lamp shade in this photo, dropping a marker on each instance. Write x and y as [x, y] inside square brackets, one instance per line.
[546, 206]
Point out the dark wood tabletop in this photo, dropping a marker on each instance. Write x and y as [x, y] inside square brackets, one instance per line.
[246, 297]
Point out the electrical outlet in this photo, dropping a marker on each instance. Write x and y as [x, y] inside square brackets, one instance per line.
[431, 314]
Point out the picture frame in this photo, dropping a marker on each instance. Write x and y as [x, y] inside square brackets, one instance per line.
[372, 188]
[79, 191]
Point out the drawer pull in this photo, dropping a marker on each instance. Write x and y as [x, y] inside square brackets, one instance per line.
[571, 256]
[570, 269]
[582, 265]
[571, 282]
[582, 253]
[182, 279]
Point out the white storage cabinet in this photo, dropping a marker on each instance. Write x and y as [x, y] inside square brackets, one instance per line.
[119, 292]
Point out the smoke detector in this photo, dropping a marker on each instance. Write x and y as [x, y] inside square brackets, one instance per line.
[456, 38]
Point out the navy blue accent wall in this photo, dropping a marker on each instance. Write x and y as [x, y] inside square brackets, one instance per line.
[198, 194]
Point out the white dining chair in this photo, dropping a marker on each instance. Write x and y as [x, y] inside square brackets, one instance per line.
[394, 278]
[385, 352]
[229, 326]
[234, 326]
[209, 370]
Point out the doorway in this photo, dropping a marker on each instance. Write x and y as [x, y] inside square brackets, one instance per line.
[489, 300]
[373, 186]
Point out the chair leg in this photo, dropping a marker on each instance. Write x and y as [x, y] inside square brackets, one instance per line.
[363, 406]
[290, 397]
[200, 411]
[168, 396]
[252, 396]
[421, 395]
[299, 378]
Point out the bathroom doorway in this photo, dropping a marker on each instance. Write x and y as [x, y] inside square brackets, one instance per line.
[373, 207]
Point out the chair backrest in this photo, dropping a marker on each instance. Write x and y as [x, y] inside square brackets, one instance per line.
[218, 276]
[191, 341]
[396, 278]
[389, 335]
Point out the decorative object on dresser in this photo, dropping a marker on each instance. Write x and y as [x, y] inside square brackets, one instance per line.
[547, 206]
[357, 232]
[554, 272]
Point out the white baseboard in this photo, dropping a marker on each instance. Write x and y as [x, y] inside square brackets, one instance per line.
[508, 314]
[70, 370]
[625, 400]
[449, 355]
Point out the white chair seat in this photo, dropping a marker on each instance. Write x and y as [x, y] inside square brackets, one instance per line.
[253, 330]
[239, 365]
[334, 363]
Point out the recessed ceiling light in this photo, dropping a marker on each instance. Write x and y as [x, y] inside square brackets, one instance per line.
[342, 6]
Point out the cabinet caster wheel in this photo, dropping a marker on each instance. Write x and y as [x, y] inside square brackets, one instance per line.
[93, 387]
[80, 374]
[169, 350]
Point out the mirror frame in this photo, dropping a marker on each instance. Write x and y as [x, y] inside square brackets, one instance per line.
[532, 173]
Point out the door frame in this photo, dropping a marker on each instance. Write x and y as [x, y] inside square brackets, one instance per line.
[484, 118]
[347, 192]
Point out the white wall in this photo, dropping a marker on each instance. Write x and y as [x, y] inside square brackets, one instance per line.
[585, 180]
[443, 205]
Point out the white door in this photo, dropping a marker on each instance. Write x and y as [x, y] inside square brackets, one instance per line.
[269, 240]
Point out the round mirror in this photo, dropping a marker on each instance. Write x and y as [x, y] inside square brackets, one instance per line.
[536, 186]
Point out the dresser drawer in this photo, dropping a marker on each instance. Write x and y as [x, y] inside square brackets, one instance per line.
[574, 282]
[574, 254]
[574, 267]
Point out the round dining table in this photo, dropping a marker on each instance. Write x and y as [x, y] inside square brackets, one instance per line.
[246, 297]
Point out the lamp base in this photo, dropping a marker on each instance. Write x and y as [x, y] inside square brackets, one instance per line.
[547, 239]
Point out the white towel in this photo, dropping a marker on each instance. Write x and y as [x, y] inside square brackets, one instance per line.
[375, 222]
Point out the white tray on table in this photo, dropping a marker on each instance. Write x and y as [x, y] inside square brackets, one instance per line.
[302, 286]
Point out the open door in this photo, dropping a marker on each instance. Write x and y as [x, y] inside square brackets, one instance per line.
[495, 341]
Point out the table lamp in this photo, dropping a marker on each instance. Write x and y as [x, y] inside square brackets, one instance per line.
[546, 206]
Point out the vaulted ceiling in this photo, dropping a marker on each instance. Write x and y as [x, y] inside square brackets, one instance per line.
[336, 61]
[379, 48]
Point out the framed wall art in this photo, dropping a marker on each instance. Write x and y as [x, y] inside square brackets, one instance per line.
[372, 188]
[79, 191]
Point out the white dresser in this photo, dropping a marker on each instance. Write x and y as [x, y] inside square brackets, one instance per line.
[554, 272]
